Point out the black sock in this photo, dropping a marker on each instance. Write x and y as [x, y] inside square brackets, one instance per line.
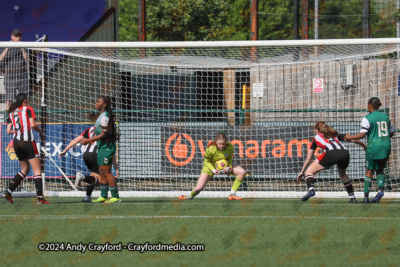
[349, 188]
[39, 185]
[380, 188]
[366, 195]
[310, 182]
[89, 179]
[89, 190]
[15, 182]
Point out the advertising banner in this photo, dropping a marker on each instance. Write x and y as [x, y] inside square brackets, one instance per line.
[263, 149]
[58, 137]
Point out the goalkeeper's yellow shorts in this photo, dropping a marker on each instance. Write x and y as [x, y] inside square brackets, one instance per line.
[207, 171]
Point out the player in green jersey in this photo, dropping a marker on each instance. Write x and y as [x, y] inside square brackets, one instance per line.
[106, 137]
[379, 129]
[220, 148]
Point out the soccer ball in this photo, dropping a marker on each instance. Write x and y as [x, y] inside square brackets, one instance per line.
[221, 164]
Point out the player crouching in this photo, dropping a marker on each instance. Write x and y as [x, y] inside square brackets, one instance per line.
[335, 153]
[219, 149]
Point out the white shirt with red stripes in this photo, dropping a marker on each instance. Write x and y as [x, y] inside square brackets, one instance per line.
[89, 133]
[20, 120]
[326, 144]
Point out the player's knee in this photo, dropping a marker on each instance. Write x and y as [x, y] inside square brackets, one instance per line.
[25, 170]
[379, 172]
[308, 173]
[241, 173]
[103, 172]
[342, 173]
[345, 179]
[369, 173]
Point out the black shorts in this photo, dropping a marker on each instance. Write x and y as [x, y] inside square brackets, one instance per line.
[25, 150]
[340, 157]
[90, 159]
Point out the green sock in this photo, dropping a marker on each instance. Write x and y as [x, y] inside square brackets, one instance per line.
[381, 180]
[367, 184]
[114, 191]
[193, 194]
[104, 190]
[236, 184]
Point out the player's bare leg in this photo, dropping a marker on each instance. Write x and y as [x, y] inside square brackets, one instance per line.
[91, 181]
[37, 173]
[201, 183]
[18, 178]
[348, 184]
[313, 169]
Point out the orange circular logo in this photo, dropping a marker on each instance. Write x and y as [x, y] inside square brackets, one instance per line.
[180, 151]
[10, 151]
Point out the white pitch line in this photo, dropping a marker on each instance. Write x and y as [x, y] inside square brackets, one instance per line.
[72, 217]
[299, 203]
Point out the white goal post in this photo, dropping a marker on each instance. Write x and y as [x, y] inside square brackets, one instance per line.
[172, 98]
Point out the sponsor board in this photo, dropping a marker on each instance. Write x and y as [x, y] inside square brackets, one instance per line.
[57, 138]
[271, 149]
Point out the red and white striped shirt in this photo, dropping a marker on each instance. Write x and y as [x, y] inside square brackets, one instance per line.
[326, 144]
[20, 121]
[89, 133]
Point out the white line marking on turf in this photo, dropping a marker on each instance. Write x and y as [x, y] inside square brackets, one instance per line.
[72, 217]
[298, 203]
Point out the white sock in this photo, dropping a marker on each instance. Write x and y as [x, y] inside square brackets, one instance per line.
[233, 192]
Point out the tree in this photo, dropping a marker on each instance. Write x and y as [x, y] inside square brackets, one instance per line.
[128, 22]
[237, 25]
[275, 21]
[185, 20]
[206, 20]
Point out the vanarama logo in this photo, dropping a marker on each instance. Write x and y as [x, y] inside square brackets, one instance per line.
[180, 152]
[180, 148]
[10, 151]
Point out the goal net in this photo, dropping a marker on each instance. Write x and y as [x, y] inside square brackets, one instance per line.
[172, 98]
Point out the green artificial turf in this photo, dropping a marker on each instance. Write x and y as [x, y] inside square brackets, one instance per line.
[251, 232]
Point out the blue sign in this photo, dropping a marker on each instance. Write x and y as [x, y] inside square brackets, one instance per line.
[398, 86]
[60, 20]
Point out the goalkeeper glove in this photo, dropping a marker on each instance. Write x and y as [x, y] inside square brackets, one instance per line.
[228, 169]
[215, 171]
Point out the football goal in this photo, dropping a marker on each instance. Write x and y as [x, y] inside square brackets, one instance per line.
[171, 99]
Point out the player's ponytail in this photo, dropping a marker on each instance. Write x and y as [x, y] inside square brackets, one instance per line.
[92, 116]
[326, 130]
[19, 99]
[375, 103]
[111, 134]
[220, 136]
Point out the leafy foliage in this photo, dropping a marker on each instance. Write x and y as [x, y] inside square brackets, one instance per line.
[205, 20]
[128, 22]
[185, 20]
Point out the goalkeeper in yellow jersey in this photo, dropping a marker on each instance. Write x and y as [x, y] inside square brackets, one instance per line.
[220, 148]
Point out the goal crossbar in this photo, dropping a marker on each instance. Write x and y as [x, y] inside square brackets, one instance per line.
[170, 100]
[187, 44]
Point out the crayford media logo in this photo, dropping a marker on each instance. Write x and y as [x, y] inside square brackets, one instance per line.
[178, 151]
[10, 151]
